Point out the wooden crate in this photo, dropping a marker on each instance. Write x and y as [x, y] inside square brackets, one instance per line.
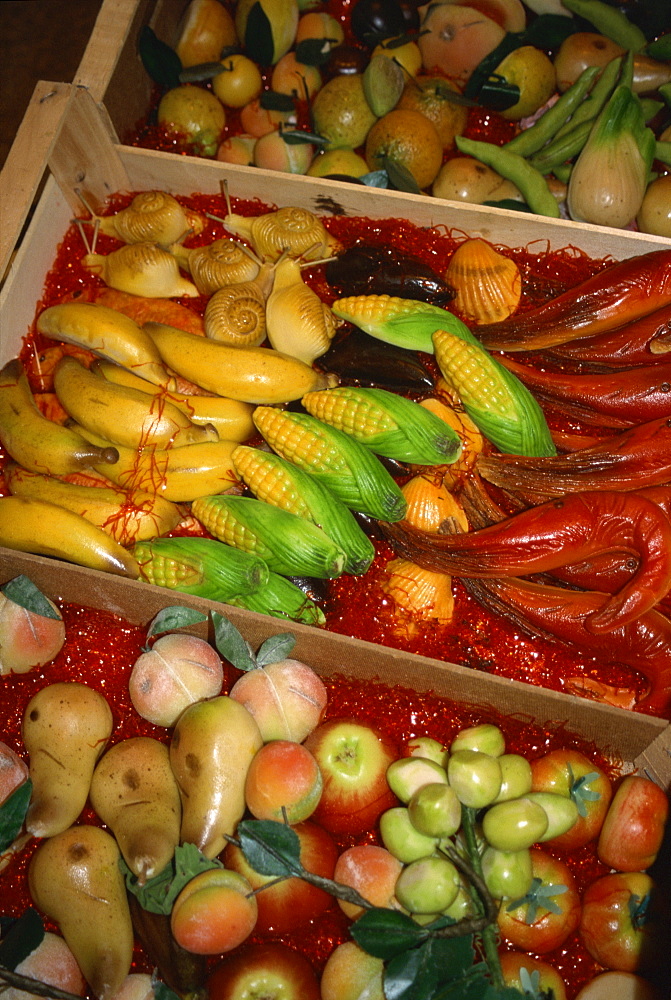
[64, 126]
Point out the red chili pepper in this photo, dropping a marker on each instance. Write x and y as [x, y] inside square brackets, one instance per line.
[646, 341]
[637, 458]
[567, 530]
[615, 296]
[557, 613]
[615, 399]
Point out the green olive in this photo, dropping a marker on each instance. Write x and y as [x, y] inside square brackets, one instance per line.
[507, 874]
[515, 824]
[435, 810]
[475, 777]
[427, 886]
[402, 838]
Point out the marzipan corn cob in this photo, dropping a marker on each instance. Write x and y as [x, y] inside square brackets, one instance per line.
[407, 323]
[346, 467]
[497, 402]
[200, 566]
[289, 544]
[281, 598]
[277, 481]
[388, 424]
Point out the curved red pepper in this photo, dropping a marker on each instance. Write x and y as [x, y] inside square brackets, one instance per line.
[637, 458]
[614, 399]
[556, 613]
[567, 530]
[646, 341]
[617, 295]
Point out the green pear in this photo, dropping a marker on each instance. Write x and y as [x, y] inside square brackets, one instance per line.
[65, 729]
[212, 746]
[134, 792]
[75, 879]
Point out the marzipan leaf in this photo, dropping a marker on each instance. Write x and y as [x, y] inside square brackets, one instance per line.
[510, 204]
[270, 848]
[401, 178]
[162, 992]
[271, 100]
[258, 40]
[314, 51]
[295, 138]
[498, 94]
[13, 812]
[385, 933]
[24, 935]
[376, 178]
[22, 591]
[174, 617]
[203, 71]
[276, 648]
[159, 893]
[160, 61]
[231, 644]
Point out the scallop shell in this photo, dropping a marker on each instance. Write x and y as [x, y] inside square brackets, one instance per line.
[141, 269]
[472, 441]
[294, 230]
[151, 217]
[432, 507]
[488, 285]
[422, 593]
[223, 262]
[236, 315]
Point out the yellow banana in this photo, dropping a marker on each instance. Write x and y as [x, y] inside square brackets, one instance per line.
[39, 444]
[123, 415]
[177, 474]
[258, 375]
[108, 333]
[128, 516]
[231, 418]
[49, 530]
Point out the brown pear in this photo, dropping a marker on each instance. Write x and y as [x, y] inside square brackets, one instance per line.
[212, 746]
[134, 792]
[65, 729]
[75, 879]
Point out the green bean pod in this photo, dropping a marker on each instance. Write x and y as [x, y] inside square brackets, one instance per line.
[561, 150]
[596, 99]
[500, 406]
[531, 183]
[543, 130]
[609, 21]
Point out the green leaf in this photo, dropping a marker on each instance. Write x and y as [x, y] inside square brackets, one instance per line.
[296, 138]
[639, 910]
[159, 893]
[203, 71]
[174, 617]
[22, 591]
[498, 94]
[314, 51]
[258, 40]
[270, 848]
[160, 61]
[13, 813]
[24, 936]
[510, 204]
[231, 644]
[271, 100]
[386, 933]
[274, 649]
[579, 791]
[163, 992]
[401, 178]
[376, 178]
[540, 895]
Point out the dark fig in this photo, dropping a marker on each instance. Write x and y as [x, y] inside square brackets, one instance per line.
[377, 270]
[360, 359]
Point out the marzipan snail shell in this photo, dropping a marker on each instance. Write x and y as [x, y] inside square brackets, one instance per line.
[236, 315]
[223, 262]
[299, 323]
[295, 230]
[141, 269]
[151, 217]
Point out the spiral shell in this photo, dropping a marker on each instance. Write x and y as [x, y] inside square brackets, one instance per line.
[141, 269]
[432, 507]
[488, 285]
[294, 230]
[223, 262]
[151, 217]
[236, 315]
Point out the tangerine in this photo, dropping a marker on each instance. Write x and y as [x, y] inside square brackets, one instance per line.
[409, 140]
[430, 95]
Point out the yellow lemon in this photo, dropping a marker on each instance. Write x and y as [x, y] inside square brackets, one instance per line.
[340, 111]
[533, 72]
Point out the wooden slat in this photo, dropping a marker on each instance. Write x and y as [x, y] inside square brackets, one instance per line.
[113, 27]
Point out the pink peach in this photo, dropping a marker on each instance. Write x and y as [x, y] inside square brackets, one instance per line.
[273, 152]
[214, 913]
[27, 639]
[13, 771]
[283, 782]
[52, 963]
[351, 973]
[286, 698]
[373, 872]
[176, 672]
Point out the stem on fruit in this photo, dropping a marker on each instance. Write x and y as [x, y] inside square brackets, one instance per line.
[35, 986]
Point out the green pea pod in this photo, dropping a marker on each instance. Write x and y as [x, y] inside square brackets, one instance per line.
[498, 404]
[281, 598]
[609, 21]
[406, 323]
[200, 566]
[388, 424]
[530, 182]
[543, 130]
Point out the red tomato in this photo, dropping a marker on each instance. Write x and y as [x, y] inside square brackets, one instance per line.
[570, 773]
[544, 918]
[633, 829]
[616, 920]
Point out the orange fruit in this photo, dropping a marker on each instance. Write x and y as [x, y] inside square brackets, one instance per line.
[430, 96]
[408, 139]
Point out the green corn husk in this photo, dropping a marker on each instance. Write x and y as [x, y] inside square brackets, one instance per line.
[346, 467]
[281, 598]
[405, 323]
[495, 400]
[276, 481]
[287, 543]
[200, 566]
[388, 424]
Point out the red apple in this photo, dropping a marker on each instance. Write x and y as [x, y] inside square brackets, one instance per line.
[621, 924]
[271, 970]
[633, 829]
[353, 759]
[286, 905]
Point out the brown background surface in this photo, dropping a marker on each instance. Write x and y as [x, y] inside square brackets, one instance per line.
[39, 40]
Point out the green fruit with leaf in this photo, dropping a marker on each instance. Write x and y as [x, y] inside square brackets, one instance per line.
[266, 28]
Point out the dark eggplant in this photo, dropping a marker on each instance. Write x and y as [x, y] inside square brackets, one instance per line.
[360, 359]
[377, 270]
[372, 21]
